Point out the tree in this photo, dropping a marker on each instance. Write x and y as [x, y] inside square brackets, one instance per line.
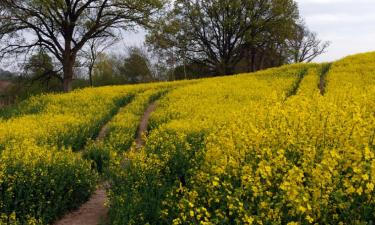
[267, 46]
[169, 43]
[6, 75]
[137, 67]
[305, 46]
[217, 33]
[95, 47]
[40, 68]
[104, 72]
[64, 27]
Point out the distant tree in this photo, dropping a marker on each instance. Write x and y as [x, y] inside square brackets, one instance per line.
[169, 44]
[104, 72]
[64, 27]
[40, 68]
[137, 67]
[305, 46]
[90, 54]
[218, 33]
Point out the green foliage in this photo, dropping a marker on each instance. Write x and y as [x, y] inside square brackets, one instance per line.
[225, 36]
[46, 25]
[136, 67]
[99, 155]
[104, 72]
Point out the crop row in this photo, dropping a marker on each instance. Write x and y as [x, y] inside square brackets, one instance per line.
[41, 177]
[158, 175]
[265, 148]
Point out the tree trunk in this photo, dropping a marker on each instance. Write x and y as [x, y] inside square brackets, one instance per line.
[248, 61]
[68, 73]
[253, 62]
[90, 76]
[262, 58]
[185, 75]
[228, 70]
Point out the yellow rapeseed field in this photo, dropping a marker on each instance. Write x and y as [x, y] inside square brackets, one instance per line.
[263, 148]
[41, 176]
[289, 145]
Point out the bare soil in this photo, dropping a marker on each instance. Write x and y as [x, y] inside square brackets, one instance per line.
[142, 129]
[103, 132]
[93, 212]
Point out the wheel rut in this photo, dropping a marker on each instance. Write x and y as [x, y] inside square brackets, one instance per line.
[95, 210]
[323, 77]
[142, 129]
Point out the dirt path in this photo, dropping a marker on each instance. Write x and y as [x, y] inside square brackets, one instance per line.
[103, 132]
[94, 212]
[142, 129]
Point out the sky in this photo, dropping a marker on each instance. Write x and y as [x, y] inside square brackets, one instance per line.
[348, 24]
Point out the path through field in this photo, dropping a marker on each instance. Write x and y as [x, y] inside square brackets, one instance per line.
[323, 77]
[94, 212]
[142, 129]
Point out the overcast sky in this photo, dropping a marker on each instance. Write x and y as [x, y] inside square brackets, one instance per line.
[348, 24]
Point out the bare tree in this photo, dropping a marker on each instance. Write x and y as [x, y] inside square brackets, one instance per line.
[94, 48]
[306, 46]
[64, 27]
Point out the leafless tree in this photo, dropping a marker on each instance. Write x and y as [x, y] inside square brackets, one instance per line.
[306, 45]
[94, 48]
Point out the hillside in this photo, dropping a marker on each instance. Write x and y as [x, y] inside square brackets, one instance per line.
[289, 145]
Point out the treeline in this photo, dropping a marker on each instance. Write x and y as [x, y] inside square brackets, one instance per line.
[185, 39]
[223, 37]
[40, 74]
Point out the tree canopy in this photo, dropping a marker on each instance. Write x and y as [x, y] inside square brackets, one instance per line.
[64, 27]
[228, 36]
